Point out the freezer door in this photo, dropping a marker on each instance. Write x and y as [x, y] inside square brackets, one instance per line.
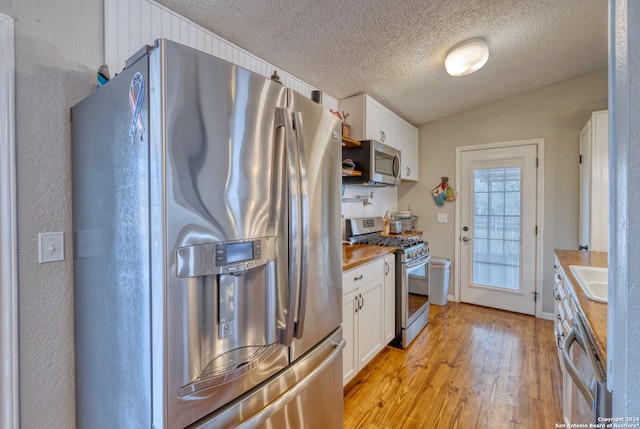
[308, 395]
[319, 309]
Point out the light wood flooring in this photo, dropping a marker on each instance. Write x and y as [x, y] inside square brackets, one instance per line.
[471, 367]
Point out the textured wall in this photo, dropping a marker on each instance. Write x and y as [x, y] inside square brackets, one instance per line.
[557, 113]
[58, 47]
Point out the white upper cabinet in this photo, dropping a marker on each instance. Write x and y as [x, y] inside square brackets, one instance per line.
[409, 148]
[594, 183]
[370, 120]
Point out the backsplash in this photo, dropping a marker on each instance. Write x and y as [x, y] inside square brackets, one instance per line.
[383, 200]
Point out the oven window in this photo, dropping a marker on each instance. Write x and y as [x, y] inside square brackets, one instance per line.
[418, 287]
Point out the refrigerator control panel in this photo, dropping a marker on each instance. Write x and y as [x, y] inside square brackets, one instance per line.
[239, 254]
[224, 257]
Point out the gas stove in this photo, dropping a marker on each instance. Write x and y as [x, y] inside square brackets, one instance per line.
[369, 231]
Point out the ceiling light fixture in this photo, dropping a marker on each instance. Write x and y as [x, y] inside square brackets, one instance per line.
[467, 57]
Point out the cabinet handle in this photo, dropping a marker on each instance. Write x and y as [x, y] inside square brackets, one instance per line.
[361, 302]
[558, 277]
[558, 317]
[356, 302]
[408, 171]
[556, 294]
[386, 266]
[355, 279]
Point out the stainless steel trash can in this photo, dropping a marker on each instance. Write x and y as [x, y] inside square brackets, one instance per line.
[439, 280]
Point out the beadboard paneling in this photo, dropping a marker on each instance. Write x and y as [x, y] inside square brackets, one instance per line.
[131, 24]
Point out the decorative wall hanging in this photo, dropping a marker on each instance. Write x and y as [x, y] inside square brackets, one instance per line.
[443, 192]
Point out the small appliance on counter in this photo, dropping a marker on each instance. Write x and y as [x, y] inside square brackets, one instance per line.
[395, 227]
[408, 221]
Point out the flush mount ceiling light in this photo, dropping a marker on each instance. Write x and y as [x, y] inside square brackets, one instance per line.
[467, 57]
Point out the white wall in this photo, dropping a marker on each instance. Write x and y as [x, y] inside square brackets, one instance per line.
[384, 201]
[131, 24]
[556, 113]
[58, 48]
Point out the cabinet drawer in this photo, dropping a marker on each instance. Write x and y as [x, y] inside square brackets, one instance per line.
[568, 311]
[362, 275]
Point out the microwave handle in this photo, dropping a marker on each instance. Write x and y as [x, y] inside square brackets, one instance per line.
[396, 166]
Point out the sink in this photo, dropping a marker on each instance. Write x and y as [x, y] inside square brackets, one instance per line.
[594, 281]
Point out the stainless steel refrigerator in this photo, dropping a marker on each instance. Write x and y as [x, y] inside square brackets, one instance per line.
[207, 252]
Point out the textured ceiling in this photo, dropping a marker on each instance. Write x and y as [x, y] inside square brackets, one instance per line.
[394, 50]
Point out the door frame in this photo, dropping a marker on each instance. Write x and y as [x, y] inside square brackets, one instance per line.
[539, 142]
[9, 410]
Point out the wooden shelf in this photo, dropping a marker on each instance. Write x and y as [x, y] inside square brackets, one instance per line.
[346, 172]
[347, 142]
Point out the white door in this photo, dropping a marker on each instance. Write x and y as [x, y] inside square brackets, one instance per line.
[498, 227]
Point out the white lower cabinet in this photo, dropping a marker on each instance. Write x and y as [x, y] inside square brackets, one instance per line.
[362, 316]
[563, 311]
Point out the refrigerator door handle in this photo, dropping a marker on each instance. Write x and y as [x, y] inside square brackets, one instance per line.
[290, 395]
[284, 118]
[304, 224]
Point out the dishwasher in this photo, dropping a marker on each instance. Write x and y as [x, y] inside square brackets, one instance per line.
[588, 400]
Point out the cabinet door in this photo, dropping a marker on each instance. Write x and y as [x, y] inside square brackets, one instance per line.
[389, 298]
[370, 319]
[410, 153]
[389, 120]
[399, 141]
[373, 120]
[349, 324]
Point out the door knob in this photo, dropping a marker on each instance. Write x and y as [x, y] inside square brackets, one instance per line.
[467, 239]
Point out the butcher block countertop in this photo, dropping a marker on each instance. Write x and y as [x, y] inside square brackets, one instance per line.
[354, 255]
[594, 312]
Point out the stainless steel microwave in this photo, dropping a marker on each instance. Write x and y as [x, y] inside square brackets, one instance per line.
[378, 163]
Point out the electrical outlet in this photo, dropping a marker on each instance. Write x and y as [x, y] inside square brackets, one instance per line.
[442, 218]
[51, 246]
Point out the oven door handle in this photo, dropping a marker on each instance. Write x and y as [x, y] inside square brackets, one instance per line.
[418, 262]
[574, 336]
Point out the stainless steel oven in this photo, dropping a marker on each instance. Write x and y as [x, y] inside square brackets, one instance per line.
[412, 292]
[587, 400]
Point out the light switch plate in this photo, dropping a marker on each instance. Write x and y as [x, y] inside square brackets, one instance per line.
[51, 246]
[442, 218]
